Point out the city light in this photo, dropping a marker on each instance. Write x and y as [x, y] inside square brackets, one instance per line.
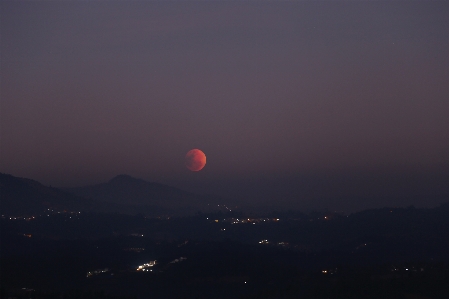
[96, 272]
[145, 266]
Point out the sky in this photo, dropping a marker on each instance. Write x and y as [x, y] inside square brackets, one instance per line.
[307, 104]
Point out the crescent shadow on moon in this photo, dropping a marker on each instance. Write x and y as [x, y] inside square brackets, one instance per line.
[195, 159]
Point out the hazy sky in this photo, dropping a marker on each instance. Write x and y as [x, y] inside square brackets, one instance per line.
[312, 103]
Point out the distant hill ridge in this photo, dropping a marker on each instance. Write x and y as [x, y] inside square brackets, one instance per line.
[21, 196]
[127, 180]
[121, 194]
[125, 189]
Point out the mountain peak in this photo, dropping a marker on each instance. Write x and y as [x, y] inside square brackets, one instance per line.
[126, 190]
[124, 178]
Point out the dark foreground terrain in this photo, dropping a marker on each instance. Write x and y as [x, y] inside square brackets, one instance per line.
[384, 253]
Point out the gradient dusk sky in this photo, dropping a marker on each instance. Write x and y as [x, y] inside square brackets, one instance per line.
[313, 104]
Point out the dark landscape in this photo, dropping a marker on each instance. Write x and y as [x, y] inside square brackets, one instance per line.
[70, 247]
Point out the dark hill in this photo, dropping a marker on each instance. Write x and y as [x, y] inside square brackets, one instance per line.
[20, 196]
[122, 194]
[124, 189]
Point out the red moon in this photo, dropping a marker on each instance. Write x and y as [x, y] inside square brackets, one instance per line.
[195, 159]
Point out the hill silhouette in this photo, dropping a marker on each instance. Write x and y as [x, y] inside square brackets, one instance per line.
[21, 196]
[127, 190]
[124, 189]
[121, 194]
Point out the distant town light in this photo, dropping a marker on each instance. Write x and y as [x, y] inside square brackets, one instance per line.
[147, 265]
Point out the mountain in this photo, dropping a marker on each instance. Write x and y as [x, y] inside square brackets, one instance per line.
[149, 197]
[21, 197]
[122, 194]
[125, 189]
